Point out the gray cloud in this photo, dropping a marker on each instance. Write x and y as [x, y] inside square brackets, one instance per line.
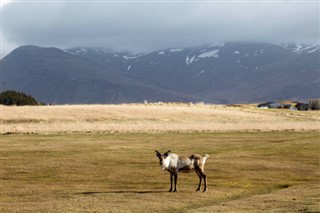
[147, 26]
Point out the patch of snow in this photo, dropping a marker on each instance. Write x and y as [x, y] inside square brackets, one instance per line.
[158, 62]
[74, 52]
[127, 57]
[115, 55]
[217, 45]
[297, 48]
[246, 55]
[212, 53]
[311, 48]
[77, 51]
[311, 51]
[175, 50]
[161, 53]
[236, 52]
[129, 67]
[190, 60]
[198, 74]
[187, 60]
[84, 50]
[283, 45]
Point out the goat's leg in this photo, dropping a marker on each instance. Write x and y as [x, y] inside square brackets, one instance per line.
[204, 176]
[171, 180]
[175, 175]
[200, 180]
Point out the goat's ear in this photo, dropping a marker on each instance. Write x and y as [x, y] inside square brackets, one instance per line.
[167, 153]
[158, 154]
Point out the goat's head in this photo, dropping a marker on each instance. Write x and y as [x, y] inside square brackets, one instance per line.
[162, 156]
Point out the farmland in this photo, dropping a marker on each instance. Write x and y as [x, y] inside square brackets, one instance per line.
[102, 159]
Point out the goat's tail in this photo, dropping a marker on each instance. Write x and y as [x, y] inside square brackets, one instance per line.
[204, 158]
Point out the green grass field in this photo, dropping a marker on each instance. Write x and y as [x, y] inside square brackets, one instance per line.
[247, 172]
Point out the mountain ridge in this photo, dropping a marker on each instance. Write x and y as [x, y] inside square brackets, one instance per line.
[238, 72]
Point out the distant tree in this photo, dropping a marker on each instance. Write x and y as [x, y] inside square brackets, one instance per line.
[11, 97]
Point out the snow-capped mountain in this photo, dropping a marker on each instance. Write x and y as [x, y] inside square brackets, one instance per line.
[216, 73]
[301, 48]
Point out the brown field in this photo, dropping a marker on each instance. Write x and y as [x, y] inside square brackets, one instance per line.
[137, 118]
[99, 158]
[247, 172]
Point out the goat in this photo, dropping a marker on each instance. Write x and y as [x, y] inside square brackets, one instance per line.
[174, 163]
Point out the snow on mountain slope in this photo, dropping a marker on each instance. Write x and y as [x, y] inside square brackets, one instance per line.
[212, 53]
[301, 48]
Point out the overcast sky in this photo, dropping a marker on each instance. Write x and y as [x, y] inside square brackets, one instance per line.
[143, 26]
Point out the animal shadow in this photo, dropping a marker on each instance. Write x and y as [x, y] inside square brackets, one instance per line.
[121, 192]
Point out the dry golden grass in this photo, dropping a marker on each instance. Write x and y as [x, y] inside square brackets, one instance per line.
[153, 118]
[247, 172]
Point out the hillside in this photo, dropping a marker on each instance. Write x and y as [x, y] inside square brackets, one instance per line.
[54, 76]
[218, 73]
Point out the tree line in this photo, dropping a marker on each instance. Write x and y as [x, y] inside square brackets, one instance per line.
[12, 97]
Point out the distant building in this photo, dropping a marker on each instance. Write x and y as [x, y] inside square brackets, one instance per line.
[275, 105]
[264, 105]
[302, 106]
[314, 104]
[272, 105]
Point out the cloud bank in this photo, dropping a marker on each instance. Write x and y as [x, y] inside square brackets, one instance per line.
[146, 26]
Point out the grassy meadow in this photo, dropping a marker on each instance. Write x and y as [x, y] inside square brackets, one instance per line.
[102, 158]
[247, 172]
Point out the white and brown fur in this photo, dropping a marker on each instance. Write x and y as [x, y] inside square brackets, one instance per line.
[174, 163]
